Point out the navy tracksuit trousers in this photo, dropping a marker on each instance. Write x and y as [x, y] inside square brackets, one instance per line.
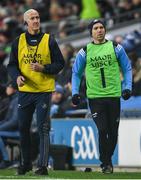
[106, 115]
[27, 104]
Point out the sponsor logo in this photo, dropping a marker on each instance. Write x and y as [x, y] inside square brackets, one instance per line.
[19, 105]
[94, 115]
[83, 142]
[44, 106]
[101, 61]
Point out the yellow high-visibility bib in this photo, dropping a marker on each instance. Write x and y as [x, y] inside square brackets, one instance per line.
[35, 81]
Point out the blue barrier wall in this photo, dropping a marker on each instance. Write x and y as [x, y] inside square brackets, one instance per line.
[82, 136]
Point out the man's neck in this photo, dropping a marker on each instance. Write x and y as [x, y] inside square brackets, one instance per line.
[33, 32]
[99, 41]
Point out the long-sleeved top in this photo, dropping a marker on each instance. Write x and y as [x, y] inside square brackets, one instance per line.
[57, 60]
[80, 64]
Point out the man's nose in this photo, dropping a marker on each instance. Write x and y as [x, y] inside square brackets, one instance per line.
[36, 20]
[99, 30]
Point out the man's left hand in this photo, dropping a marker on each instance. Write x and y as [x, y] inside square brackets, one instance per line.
[126, 94]
[36, 67]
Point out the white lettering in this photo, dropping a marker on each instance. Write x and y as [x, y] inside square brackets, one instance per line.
[85, 145]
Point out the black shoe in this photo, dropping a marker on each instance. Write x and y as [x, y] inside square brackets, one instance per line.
[102, 165]
[88, 169]
[23, 169]
[5, 164]
[41, 171]
[107, 169]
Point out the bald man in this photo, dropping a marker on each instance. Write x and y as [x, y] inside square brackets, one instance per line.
[35, 59]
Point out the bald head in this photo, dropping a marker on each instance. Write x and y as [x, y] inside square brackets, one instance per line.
[28, 13]
[32, 20]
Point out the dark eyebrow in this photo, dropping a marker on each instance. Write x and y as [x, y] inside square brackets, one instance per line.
[98, 27]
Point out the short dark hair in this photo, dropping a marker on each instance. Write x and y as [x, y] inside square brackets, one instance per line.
[95, 21]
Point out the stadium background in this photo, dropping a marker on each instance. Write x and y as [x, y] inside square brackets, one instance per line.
[67, 20]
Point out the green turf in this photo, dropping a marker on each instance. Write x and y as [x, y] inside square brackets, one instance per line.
[11, 174]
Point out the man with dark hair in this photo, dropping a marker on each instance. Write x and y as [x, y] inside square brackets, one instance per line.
[35, 59]
[57, 101]
[9, 125]
[102, 59]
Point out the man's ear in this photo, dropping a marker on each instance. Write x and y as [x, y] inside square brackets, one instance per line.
[25, 23]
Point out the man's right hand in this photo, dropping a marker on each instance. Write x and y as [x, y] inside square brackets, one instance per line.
[76, 99]
[126, 94]
[20, 81]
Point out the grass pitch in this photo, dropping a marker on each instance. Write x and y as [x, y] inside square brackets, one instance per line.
[54, 174]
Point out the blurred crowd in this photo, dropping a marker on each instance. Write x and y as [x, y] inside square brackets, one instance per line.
[71, 17]
[64, 17]
[11, 25]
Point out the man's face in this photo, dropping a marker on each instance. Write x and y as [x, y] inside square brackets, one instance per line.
[98, 32]
[56, 97]
[33, 21]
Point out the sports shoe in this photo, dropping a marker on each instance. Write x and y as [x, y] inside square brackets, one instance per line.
[41, 171]
[107, 169]
[23, 169]
[88, 169]
[5, 164]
